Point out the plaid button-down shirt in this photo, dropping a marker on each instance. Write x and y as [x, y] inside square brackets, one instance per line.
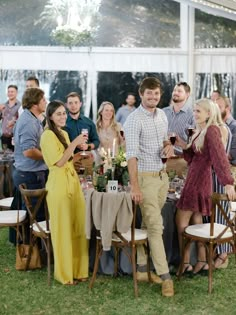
[144, 135]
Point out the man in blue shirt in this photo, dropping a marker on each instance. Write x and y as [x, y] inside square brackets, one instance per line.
[74, 125]
[180, 116]
[77, 121]
[124, 111]
[30, 168]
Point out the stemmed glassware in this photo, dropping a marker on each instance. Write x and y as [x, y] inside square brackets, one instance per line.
[172, 137]
[164, 159]
[84, 132]
[190, 132]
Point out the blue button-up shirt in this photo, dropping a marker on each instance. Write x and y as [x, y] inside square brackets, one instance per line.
[75, 126]
[27, 133]
[123, 112]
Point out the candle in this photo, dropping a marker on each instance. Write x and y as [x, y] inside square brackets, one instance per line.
[114, 148]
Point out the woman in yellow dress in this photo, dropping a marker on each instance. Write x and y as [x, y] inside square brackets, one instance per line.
[65, 199]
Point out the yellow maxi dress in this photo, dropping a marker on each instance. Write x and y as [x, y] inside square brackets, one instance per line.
[66, 206]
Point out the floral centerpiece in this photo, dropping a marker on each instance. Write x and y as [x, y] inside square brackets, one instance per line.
[121, 167]
[114, 166]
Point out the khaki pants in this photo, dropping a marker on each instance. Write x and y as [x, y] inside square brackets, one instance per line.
[179, 165]
[154, 188]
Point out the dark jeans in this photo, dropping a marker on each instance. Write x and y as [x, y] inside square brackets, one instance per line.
[32, 180]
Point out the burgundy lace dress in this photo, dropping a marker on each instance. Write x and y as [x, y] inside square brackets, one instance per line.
[198, 186]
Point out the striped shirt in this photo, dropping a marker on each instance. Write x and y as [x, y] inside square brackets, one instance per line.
[179, 122]
[144, 135]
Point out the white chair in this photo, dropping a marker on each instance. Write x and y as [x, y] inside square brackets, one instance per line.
[14, 218]
[5, 203]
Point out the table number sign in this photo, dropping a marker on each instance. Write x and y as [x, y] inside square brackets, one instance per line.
[112, 186]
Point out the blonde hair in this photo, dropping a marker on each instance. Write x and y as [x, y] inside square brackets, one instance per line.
[214, 119]
[113, 123]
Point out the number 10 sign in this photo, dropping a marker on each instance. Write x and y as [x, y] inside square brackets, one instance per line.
[112, 186]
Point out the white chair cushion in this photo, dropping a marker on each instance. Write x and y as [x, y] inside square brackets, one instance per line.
[6, 202]
[42, 224]
[10, 216]
[138, 235]
[203, 230]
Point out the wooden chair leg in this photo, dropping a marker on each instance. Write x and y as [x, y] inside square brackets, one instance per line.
[148, 262]
[116, 262]
[133, 258]
[210, 264]
[49, 260]
[185, 244]
[96, 263]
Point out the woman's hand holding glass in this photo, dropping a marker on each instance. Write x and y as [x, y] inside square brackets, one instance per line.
[84, 146]
[180, 142]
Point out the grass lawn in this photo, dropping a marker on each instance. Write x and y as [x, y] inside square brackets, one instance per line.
[28, 293]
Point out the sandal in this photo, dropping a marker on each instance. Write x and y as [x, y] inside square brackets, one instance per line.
[188, 269]
[203, 270]
[223, 262]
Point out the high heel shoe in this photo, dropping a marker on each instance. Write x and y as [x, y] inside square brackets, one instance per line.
[202, 271]
[187, 270]
[224, 262]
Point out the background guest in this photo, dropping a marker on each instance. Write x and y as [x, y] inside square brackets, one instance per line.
[215, 95]
[124, 111]
[180, 116]
[205, 151]
[109, 131]
[75, 123]
[31, 82]
[65, 198]
[221, 260]
[9, 113]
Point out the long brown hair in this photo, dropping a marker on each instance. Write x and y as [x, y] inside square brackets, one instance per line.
[51, 108]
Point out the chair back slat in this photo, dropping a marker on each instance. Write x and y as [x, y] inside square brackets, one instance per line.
[229, 222]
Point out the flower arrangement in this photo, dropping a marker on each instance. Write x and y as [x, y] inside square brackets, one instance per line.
[121, 167]
[114, 167]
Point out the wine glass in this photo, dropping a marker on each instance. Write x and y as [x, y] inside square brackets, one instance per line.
[190, 132]
[84, 132]
[172, 137]
[164, 159]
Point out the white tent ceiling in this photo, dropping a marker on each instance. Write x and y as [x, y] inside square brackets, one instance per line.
[224, 8]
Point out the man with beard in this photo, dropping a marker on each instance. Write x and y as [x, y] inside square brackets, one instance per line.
[180, 116]
[74, 125]
[146, 141]
[225, 109]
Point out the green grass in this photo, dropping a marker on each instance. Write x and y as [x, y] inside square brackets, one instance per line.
[28, 293]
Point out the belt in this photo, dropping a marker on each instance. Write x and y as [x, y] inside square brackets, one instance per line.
[176, 157]
[153, 174]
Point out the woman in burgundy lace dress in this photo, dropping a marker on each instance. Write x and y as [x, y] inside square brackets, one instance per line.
[205, 151]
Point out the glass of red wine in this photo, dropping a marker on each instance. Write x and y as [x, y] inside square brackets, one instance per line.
[163, 158]
[190, 132]
[172, 137]
[122, 133]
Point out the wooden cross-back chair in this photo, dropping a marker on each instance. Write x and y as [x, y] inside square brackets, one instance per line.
[128, 242]
[34, 199]
[211, 235]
